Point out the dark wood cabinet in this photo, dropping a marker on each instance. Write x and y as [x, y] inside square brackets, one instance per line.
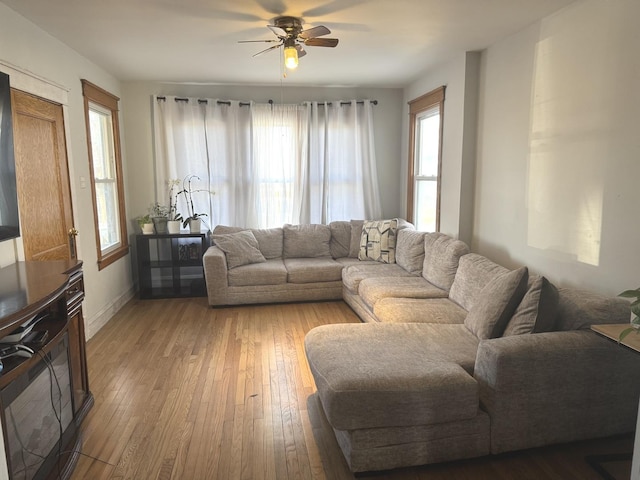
[170, 265]
[74, 296]
[52, 293]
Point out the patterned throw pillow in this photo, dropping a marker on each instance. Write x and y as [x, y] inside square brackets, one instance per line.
[378, 241]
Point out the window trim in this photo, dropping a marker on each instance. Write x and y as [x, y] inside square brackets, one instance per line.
[434, 98]
[94, 94]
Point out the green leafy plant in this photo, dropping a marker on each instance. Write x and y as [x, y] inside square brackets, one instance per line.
[143, 219]
[159, 210]
[635, 309]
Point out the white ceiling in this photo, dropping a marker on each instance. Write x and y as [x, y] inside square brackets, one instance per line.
[383, 43]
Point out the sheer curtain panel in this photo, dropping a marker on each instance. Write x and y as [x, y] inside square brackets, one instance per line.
[269, 164]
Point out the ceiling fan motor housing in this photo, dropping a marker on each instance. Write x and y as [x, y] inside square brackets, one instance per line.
[291, 25]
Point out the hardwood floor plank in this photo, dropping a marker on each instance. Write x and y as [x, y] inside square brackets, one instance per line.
[184, 391]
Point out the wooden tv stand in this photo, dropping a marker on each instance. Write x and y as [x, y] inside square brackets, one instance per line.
[57, 288]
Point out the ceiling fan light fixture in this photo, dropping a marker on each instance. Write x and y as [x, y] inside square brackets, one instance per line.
[290, 57]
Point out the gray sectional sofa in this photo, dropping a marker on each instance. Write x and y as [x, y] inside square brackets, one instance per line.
[456, 357]
[287, 264]
[462, 357]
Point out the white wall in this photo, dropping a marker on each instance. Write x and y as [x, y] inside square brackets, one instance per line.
[31, 50]
[460, 76]
[137, 103]
[559, 150]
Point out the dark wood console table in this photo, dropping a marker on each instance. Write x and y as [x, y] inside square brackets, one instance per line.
[54, 288]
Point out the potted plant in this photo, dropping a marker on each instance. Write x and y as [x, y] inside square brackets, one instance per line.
[635, 311]
[146, 224]
[159, 215]
[193, 219]
[175, 219]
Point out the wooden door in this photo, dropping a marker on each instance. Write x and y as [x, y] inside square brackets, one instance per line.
[44, 194]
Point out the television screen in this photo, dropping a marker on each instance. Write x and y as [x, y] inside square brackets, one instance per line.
[9, 219]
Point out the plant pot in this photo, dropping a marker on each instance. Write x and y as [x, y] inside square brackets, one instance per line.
[147, 228]
[160, 224]
[195, 225]
[173, 226]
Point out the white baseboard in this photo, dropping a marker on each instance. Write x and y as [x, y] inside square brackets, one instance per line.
[95, 323]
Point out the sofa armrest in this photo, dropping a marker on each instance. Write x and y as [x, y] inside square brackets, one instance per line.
[214, 262]
[556, 387]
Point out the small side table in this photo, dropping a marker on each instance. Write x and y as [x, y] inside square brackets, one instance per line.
[631, 341]
[170, 265]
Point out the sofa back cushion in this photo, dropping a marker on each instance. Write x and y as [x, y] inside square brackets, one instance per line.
[410, 250]
[538, 309]
[441, 258]
[356, 233]
[270, 240]
[306, 241]
[473, 273]
[496, 303]
[340, 239]
[579, 309]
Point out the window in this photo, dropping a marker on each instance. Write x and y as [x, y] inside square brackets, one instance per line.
[103, 137]
[425, 157]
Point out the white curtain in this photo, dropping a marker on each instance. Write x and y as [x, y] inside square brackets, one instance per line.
[269, 164]
[343, 180]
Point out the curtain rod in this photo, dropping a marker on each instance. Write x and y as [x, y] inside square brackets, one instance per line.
[270, 102]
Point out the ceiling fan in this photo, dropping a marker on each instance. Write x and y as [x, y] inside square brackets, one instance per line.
[292, 37]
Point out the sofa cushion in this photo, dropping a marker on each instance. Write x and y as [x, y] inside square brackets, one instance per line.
[368, 375]
[271, 272]
[270, 240]
[378, 241]
[579, 309]
[347, 261]
[410, 250]
[473, 274]
[537, 310]
[340, 239]
[225, 229]
[306, 241]
[441, 257]
[311, 270]
[354, 274]
[496, 303]
[419, 310]
[240, 248]
[373, 289]
[356, 233]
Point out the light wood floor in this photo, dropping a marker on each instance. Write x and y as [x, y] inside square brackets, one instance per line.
[184, 391]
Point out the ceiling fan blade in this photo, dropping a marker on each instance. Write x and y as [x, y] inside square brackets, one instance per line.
[314, 32]
[276, 7]
[321, 42]
[266, 50]
[257, 41]
[301, 51]
[331, 7]
[280, 32]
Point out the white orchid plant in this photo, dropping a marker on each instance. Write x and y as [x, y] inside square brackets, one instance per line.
[188, 192]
